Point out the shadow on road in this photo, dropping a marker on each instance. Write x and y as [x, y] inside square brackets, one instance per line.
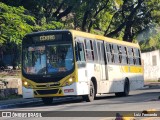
[135, 97]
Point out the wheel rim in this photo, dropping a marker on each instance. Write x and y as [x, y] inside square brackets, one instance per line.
[92, 91]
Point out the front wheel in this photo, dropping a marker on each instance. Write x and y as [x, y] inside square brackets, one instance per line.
[90, 97]
[47, 100]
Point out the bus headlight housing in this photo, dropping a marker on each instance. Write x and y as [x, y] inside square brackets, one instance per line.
[27, 84]
[69, 81]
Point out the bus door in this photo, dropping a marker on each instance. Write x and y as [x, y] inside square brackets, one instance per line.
[102, 66]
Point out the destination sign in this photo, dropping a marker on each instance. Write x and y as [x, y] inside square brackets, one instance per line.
[43, 38]
[48, 37]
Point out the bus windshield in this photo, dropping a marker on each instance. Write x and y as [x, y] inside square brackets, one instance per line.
[48, 59]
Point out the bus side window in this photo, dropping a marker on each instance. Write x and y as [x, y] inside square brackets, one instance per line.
[137, 57]
[80, 51]
[102, 53]
[100, 46]
[130, 55]
[134, 59]
[124, 55]
[108, 53]
[127, 58]
[99, 50]
[120, 53]
[92, 52]
[88, 50]
[95, 51]
[115, 52]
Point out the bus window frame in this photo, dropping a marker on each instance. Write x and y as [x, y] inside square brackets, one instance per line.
[89, 50]
[124, 55]
[81, 41]
[137, 56]
[130, 56]
[101, 51]
[109, 55]
[94, 43]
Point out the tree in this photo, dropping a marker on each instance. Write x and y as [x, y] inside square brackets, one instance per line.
[149, 37]
[85, 17]
[133, 17]
[122, 19]
[51, 10]
[14, 23]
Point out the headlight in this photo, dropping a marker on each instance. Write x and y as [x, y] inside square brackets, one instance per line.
[26, 84]
[70, 79]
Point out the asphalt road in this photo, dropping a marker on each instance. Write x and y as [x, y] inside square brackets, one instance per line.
[138, 100]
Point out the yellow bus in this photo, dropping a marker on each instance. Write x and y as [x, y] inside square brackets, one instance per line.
[72, 63]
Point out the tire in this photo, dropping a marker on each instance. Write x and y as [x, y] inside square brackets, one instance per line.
[47, 100]
[90, 97]
[126, 90]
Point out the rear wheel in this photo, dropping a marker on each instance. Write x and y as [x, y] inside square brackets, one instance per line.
[90, 97]
[47, 100]
[126, 89]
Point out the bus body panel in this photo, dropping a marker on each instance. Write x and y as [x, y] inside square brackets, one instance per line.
[103, 86]
[77, 88]
[27, 93]
[82, 88]
[116, 80]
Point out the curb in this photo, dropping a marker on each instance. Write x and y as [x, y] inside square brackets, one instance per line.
[145, 87]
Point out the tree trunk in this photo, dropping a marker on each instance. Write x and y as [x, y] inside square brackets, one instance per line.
[85, 17]
[65, 13]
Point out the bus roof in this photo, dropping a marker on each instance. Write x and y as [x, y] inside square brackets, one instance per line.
[46, 31]
[92, 36]
[99, 37]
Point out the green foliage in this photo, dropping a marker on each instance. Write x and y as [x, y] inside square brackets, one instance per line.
[118, 3]
[103, 20]
[14, 23]
[50, 26]
[127, 20]
[152, 43]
